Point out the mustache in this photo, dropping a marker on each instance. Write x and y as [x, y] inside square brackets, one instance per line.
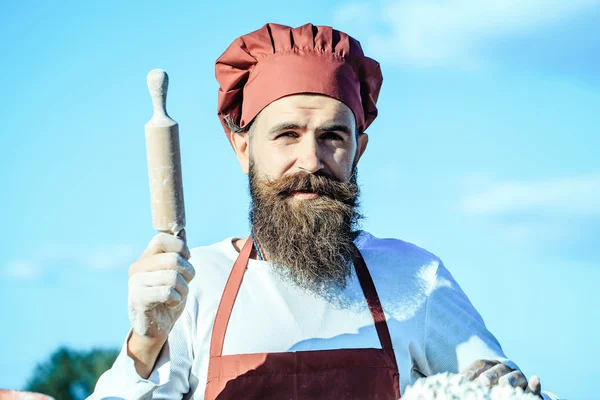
[320, 183]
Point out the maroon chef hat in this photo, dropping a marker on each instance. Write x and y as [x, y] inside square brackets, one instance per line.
[277, 60]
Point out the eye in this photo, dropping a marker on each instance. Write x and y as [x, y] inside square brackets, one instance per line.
[288, 134]
[331, 136]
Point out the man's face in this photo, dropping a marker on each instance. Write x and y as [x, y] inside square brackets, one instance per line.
[303, 133]
[301, 157]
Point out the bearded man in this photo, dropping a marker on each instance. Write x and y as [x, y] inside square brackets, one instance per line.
[307, 306]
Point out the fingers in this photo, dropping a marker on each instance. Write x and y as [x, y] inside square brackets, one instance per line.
[534, 386]
[514, 379]
[491, 376]
[160, 295]
[158, 287]
[478, 367]
[165, 243]
[168, 278]
[164, 261]
[492, 372]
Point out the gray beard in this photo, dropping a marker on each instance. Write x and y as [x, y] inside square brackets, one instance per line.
[311, 242]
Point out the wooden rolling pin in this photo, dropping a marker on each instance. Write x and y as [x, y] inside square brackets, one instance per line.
[164, 161]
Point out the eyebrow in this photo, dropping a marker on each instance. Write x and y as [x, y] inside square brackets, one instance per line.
[336, 127]
[284, 126]
[333, 127]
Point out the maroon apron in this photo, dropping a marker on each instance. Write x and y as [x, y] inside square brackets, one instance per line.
[320, 374]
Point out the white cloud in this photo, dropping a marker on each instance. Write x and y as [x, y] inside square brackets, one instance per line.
[575, 196]
[368, 14]
[449, 32]
[117, 256]
[22, 270]
[39, 263]
[553, 218]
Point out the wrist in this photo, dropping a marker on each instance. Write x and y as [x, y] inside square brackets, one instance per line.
[144, 352]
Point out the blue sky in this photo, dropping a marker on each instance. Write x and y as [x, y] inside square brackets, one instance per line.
[486, 153]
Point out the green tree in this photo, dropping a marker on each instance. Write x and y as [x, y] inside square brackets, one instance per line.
[71, 374]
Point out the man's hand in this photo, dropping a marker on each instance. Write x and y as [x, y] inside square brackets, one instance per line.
[491, 372]
[158, 288]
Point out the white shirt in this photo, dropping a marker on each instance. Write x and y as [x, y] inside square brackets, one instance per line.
[433, 325]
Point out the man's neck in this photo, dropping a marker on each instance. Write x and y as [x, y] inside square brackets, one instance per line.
[238, 244]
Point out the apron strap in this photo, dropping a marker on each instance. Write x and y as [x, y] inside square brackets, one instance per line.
[368, 288]
[234, 282]
[232, 288]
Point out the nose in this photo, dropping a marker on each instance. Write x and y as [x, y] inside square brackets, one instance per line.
[309, 155]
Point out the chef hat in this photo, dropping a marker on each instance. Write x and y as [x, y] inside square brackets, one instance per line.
[277, 61]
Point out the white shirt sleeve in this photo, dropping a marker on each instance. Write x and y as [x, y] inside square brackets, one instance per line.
[169, 378]
[455, 334]
[549, 396]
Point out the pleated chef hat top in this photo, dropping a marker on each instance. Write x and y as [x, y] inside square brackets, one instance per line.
[277, 61]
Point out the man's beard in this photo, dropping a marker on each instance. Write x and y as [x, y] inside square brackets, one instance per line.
[310, 241]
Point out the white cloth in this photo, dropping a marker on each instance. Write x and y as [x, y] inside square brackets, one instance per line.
[433, 325]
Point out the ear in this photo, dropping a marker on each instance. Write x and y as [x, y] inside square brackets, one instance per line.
[240, 144]
[362, 141]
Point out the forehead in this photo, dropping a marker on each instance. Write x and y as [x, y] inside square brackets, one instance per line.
[311, 110]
